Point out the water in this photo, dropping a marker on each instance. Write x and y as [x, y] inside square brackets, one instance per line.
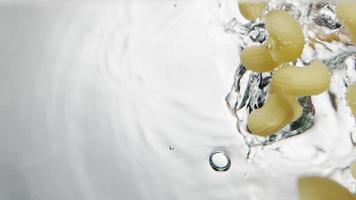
[95, 93]
[321, 114]
[220, 161]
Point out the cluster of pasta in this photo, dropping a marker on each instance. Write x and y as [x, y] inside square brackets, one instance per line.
[284, 44]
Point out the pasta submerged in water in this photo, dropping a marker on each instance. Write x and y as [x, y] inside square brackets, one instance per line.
[286, 36]
[285, 44]
[252, 9]
[273, 116]
[293, 102]
[353, 169]
[351, 98]
[346, 12]
[302, 81]
[258, 59]
[282, 107]
[319, 188]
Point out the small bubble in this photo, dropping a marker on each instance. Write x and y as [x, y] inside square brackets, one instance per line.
[175, 5]
[171, 148]
[219, 161]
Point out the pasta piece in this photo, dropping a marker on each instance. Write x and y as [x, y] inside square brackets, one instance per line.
[351, 98]
[345, 10]
[286, 36]
[292, 100]
[258, 59]
[353, 169]
[252, 9]
[319, 188]
[302, 81]
[272, 117]
[295, 106]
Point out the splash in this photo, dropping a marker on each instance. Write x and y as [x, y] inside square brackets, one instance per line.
[325, 40]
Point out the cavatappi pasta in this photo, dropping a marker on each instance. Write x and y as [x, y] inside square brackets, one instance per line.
[319, 188]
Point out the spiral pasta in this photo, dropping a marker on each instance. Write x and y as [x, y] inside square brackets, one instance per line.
[252, 9]
[286, 36]
[273, 116]
[302, 81]
[345, 10]
[258, 59]
[319, 188]
[351, 98]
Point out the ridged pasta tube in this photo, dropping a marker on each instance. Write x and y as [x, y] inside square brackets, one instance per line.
[346, 12]
[286, 36]
[302, 81]
[252, 9]
[319, 188]
[292, 100]
[296, 107]
[258, 59]
[351, 98]
[272, 117]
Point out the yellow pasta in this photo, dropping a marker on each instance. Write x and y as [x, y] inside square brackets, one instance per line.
[258, 59]
[286, 36]
[295, 106]
[353, 169]
[302, 81]
[319, 188]
[346, 12]
[292, 100]
[272, 117]
[351, 98]
[252, 9]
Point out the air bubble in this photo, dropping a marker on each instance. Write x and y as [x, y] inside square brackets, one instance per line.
[220, 161]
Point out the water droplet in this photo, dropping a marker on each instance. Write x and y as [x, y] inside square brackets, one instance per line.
[220, 161]
[171, 148]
